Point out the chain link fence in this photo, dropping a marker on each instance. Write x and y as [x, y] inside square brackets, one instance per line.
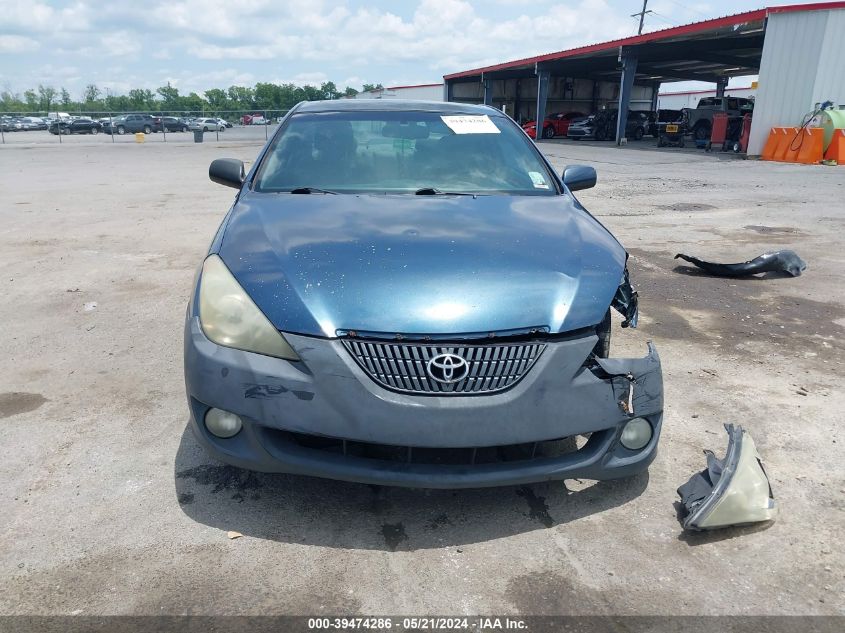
[158, 126]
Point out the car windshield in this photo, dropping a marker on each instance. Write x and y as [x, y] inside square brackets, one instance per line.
[403, 152]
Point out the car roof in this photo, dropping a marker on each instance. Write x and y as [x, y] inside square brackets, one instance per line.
[392, 105]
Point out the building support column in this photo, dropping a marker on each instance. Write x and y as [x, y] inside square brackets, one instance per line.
[487, 84]
[542, 97]
[447, 91]
[516, 99]
[629, 70]
[721, 84]
[655, 92]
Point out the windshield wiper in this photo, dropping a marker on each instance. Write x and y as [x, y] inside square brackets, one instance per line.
[311, 190]
[433, 191]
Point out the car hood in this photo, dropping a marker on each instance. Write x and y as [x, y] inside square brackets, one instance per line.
[318, 264]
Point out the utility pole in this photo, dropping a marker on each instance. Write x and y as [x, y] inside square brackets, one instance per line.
[642, 16]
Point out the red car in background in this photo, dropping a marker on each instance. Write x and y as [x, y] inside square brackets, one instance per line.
[254, 119]
[555, 124]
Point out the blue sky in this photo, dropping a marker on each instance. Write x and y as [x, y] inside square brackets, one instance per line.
[201, 44]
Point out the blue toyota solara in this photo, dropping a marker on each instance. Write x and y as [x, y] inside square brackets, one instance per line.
[405, 293]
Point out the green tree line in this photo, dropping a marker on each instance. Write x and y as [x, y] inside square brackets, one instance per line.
[262, 96]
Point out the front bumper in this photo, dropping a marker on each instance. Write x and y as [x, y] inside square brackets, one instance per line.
[327, 396]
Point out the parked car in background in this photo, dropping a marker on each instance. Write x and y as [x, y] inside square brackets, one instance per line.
[582, 128]
[605, 125]
[556, 124]
[254, 119]
[130, 123]
[207, 125]
[15, 124]
[224, 122]
[80, 125]
[636, 125]
[662, 116]
[700, 119]
[33, 123]
[172, 124]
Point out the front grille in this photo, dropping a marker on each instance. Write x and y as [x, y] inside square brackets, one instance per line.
[408, 367]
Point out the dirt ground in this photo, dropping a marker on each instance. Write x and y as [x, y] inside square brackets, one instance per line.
[110, 507]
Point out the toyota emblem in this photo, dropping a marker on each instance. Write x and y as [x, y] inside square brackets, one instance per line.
[447, 368]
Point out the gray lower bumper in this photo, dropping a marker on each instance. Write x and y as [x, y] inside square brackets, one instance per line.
[327, 394]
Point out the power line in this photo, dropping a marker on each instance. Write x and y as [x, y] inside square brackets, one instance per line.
[660, 17]
[684, 6]
[664, 18]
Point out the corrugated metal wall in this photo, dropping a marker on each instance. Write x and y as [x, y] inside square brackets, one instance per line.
[830, 78]
[803, 63]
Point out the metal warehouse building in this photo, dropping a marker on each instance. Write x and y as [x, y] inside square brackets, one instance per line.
[423, 92]
[798, 51]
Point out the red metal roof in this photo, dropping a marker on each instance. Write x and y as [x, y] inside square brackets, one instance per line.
[654, 36]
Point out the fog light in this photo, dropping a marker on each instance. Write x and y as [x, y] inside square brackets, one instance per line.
[222, 423]
[636, 434]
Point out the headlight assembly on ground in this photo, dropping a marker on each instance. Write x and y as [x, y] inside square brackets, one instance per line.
[230, 318]
[730, 491]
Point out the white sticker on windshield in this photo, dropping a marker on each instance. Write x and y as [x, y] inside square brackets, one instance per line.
[467, 124]
[538, 180]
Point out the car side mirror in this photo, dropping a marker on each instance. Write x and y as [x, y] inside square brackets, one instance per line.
[227, 171]
[577, 177]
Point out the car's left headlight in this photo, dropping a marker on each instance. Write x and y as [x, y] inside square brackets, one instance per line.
[230, 318]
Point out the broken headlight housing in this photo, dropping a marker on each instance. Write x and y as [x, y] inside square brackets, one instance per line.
[730, 491]
[625, 301]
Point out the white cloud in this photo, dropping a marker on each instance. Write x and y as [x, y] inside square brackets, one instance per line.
[120, 43]
[299, 79]
[200, 82]
[219, 19]
[213, 51]
[23, 15]
[242, 41]
[18, 44]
